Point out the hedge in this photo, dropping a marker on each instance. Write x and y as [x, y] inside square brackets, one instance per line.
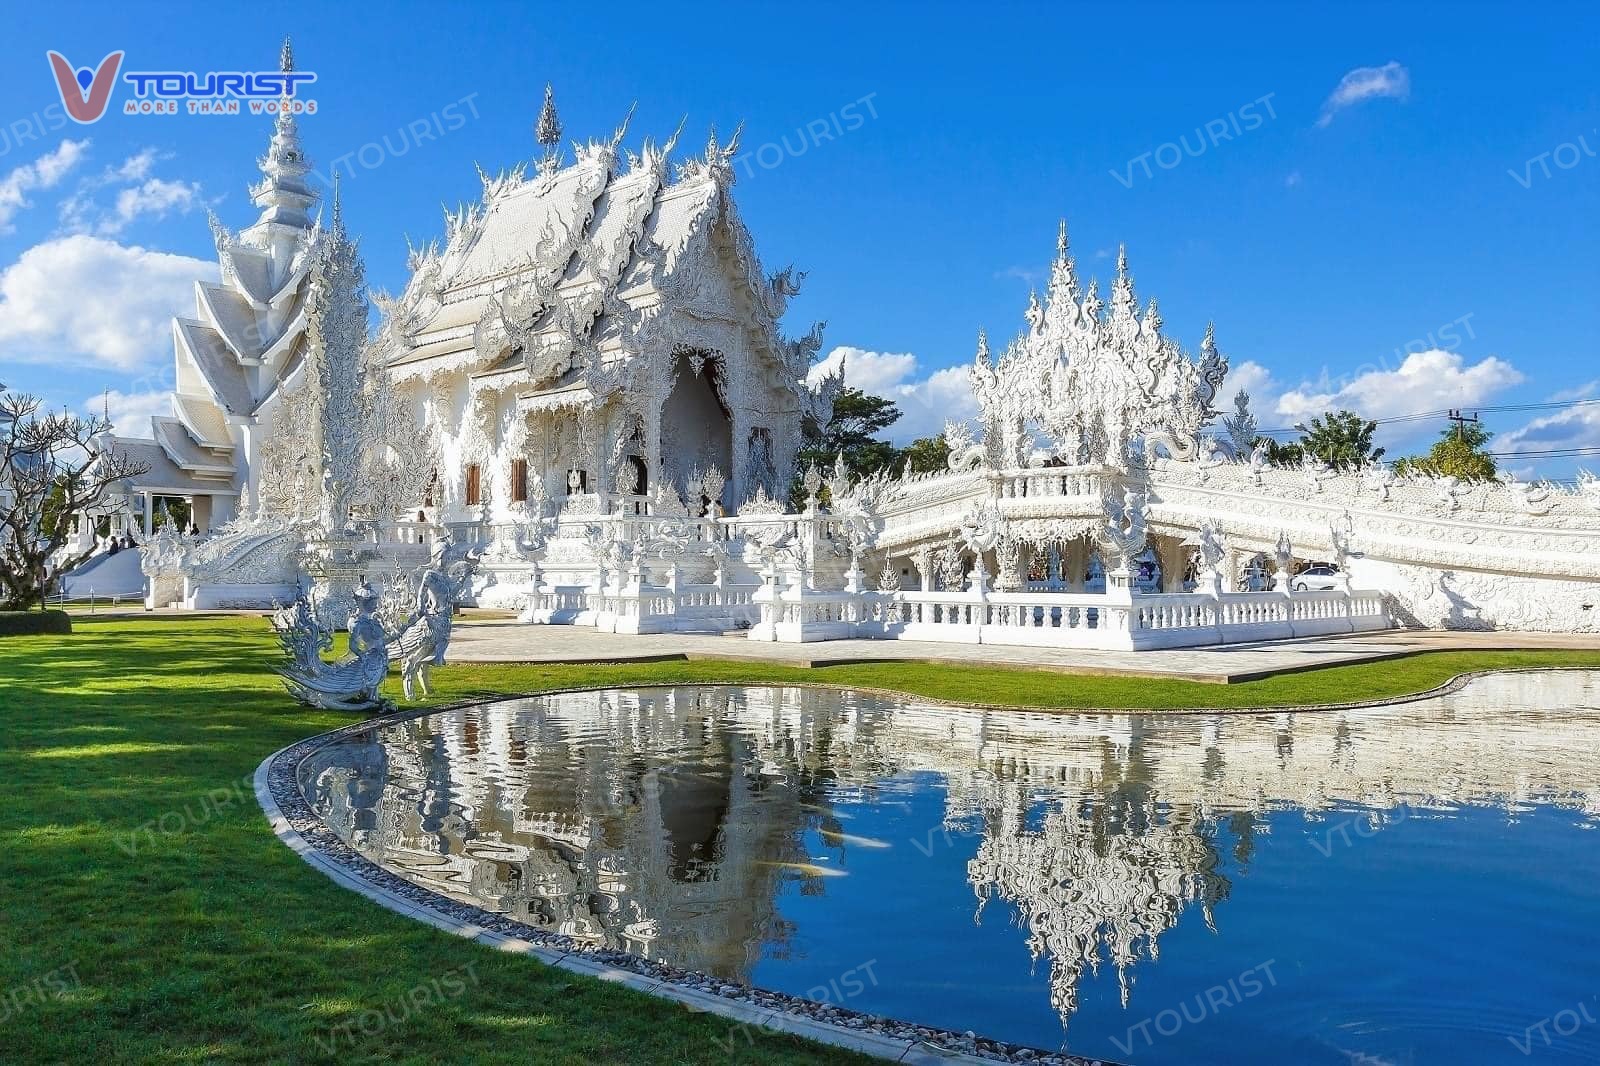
[33, 623]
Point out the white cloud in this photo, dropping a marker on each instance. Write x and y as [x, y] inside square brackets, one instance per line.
[925, 403]
[135, 167]
[1426, 381]
[1577, 426]
[1367, 83]
[141, 196]
[1293, 179]
[154, 197]
[43, 173]
[130, 413]
[1577, 392]
[1031, 278]
[1255, 379]
[89, 301]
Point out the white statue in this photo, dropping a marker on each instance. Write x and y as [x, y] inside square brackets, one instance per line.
[1259, 460]
[1212, 552]
[1124, 532]
[424, 636]
[352, 683]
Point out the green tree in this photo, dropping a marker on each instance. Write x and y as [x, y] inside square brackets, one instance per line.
[927, 455]
[853, 431]
[1342, 439]
[1460, 452]
[1282, 453]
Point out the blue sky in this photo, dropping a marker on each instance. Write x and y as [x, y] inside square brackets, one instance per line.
[1398, 178]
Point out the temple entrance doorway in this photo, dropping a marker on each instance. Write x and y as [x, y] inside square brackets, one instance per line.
[696, 427]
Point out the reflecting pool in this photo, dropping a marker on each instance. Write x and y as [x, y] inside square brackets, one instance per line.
[1411, 884]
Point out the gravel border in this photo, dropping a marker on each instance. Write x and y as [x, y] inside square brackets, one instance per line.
[293, 821]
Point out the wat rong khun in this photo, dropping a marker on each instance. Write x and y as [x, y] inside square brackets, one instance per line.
[585, 385]
[581, 412]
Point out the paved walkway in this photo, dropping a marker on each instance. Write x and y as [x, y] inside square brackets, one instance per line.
[497, 640]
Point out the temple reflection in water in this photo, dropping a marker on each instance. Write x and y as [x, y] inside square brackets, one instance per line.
[669, 822]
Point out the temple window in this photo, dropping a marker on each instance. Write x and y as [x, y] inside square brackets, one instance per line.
[474, 485]
[519, 481]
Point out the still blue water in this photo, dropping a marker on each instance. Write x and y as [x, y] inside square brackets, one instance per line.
[1413, 884]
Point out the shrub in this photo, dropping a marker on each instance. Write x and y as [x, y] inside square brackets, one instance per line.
[34, 623]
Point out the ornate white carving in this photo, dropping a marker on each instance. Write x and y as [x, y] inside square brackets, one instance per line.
[1092, 377]
[420, 642]
[351, 684]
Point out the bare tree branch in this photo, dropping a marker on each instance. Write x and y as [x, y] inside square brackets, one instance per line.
[53, 468]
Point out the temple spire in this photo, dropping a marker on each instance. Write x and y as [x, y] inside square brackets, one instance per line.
[1123, 301]
[547, 131]
[283, 194]
[1063, 288]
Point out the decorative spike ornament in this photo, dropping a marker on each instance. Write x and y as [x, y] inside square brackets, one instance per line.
[547, 131]
[1063, 288]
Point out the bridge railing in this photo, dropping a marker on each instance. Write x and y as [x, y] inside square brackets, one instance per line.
[1079, 620]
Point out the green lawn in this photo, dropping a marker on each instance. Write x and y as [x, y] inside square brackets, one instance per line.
[217, 943]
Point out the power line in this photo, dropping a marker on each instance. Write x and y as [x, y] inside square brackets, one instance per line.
[1447, 412]
[1547, 453]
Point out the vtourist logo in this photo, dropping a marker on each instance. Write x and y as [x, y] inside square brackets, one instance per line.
[57, 984]
[86, 93]
[1208, 1004]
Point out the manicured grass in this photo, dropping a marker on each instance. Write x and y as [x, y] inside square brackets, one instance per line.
[208, 940]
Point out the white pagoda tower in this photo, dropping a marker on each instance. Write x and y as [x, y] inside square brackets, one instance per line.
[243, 345]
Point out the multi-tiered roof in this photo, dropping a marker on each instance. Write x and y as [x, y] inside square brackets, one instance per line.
[247, 334]
[555, 275]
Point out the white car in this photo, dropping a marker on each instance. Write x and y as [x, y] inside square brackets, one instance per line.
[1321, 577]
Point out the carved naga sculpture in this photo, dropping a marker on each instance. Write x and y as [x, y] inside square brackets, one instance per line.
[351, 684]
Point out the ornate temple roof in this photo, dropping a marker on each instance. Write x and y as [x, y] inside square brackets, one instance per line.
[164, 476]
[574, 259]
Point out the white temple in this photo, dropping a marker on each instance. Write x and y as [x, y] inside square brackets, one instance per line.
[587, 379]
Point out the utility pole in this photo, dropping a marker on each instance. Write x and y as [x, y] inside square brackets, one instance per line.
[1461, 421]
